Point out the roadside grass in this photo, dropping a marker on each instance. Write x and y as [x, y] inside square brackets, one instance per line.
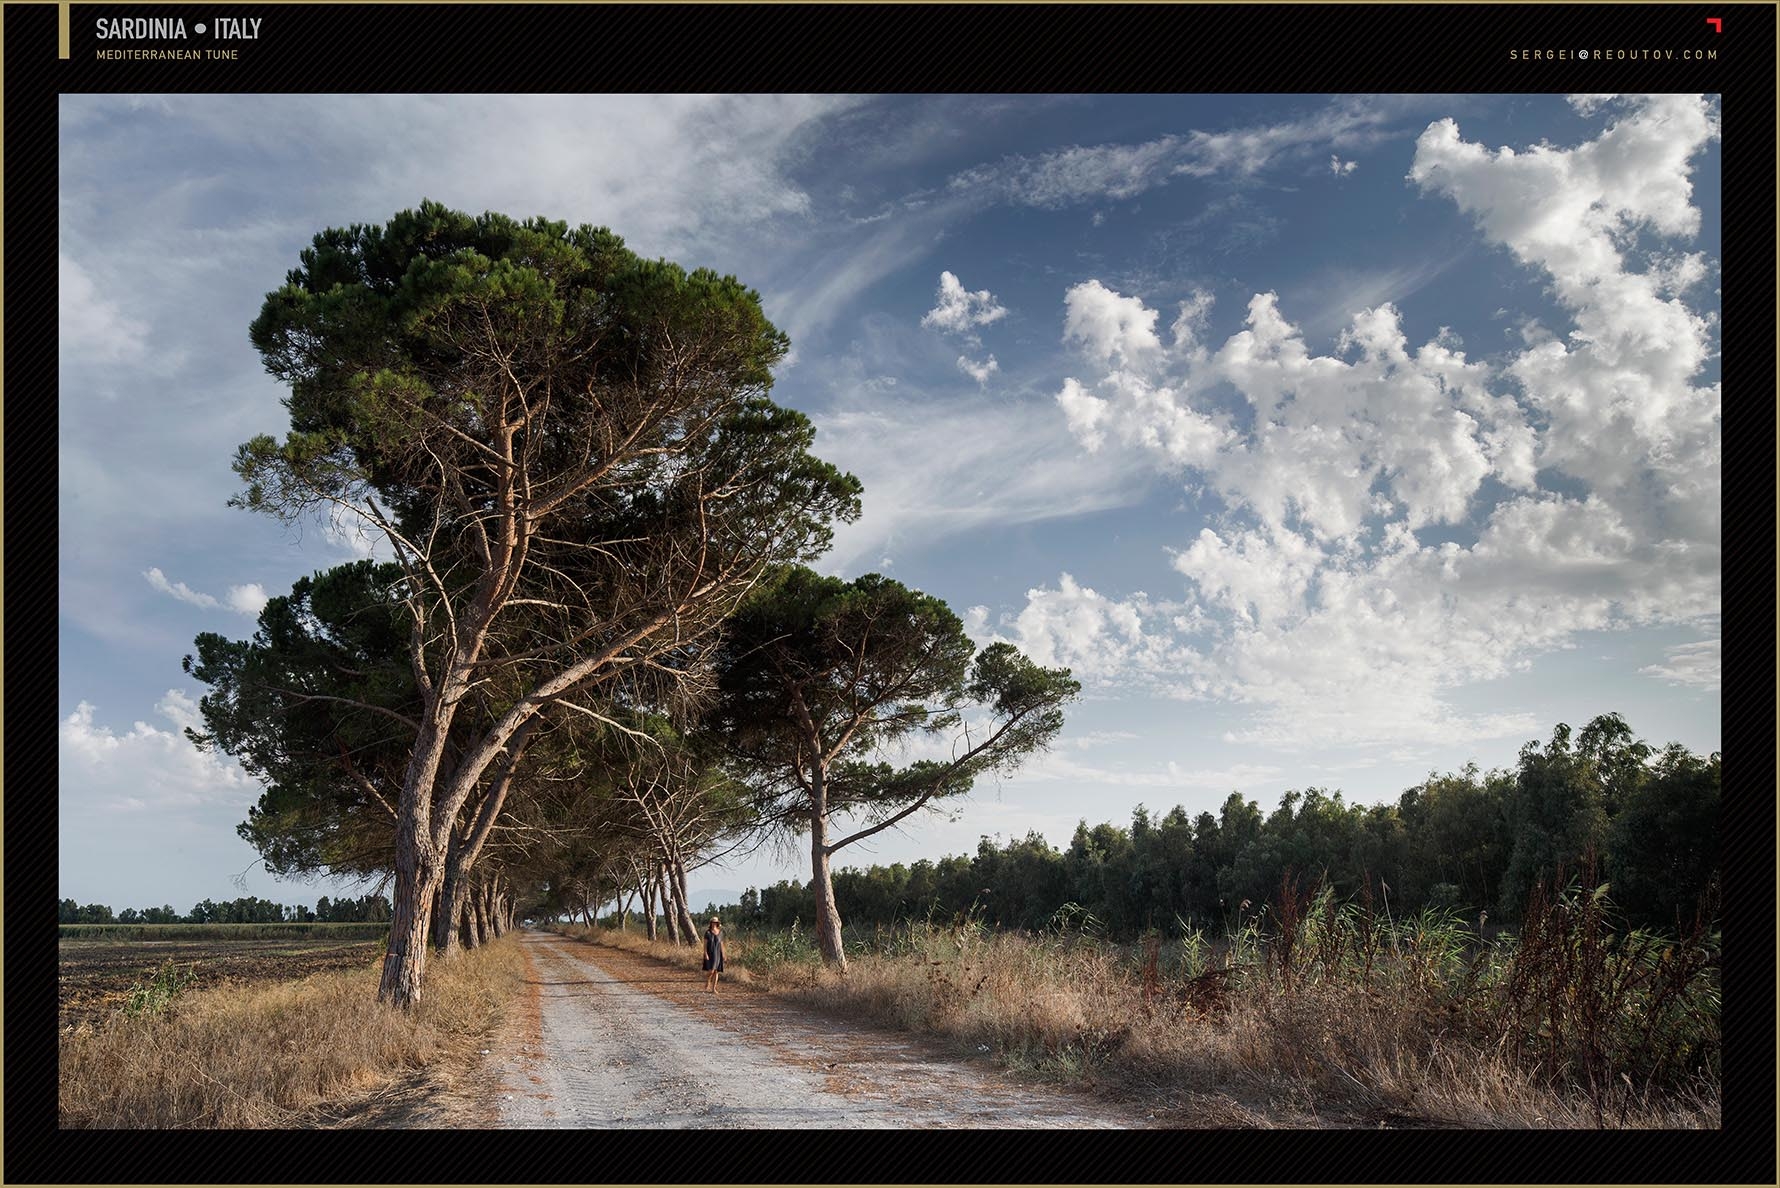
[1306, 1009]
[259, 1056]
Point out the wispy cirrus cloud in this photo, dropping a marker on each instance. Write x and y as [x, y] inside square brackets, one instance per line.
[1093, 173]
[1001, 466]
[1695, 665]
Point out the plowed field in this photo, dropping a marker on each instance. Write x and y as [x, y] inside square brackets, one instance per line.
[95, 976]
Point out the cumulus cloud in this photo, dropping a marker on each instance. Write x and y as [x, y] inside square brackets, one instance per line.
[1386, 539]
[1103, 641]
[980, 372]
[1110, 328]
[1341, 168]
[145, 769]
[959, 311]
[1618, 390]
[248, 600]
[1695, 665]
[1191, 320]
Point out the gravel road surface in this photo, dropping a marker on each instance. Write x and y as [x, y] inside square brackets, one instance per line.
[611, 1038]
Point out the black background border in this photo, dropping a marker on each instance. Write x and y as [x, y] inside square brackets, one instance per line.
[896, 47]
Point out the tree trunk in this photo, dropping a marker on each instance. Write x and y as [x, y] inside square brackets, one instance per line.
[404, 961]
[669, 909]
[479, 917]
[648, 897]
[686, 920]
[466, 922]
[828, 917]
[668, 916]
[454, 892]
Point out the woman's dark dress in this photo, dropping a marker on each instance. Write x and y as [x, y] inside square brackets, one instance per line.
[713, 952]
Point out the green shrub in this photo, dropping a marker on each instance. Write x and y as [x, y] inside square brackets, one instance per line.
[156, 992]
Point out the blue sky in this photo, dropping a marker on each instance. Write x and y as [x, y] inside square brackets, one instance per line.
[1331, 440]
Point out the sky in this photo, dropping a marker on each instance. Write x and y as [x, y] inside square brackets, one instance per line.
[1330, 441]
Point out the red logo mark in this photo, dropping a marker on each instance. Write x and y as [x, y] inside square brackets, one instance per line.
[1717, 24]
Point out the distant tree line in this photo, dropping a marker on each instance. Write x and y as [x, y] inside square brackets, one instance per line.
[249, 909]
[1475, 842]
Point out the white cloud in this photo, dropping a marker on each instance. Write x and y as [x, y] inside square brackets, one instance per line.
[147, 769]
[1102, 641]
[1341, 168]
[1002, 466]
[825, 283]
[1097, 738]
[1260, 578]
[92, 326]
[1080, 174]
[1695, 665]
[1314, 603]
[243, 600]
[1345, 124]
[179, 590]
[693, 165]
[353, 534]
[960, 311]
[1110, 328]
[980, 372]
[1189, 324]
[1076, 174]
[1618, 390]
[1057, 766]
[247, 600]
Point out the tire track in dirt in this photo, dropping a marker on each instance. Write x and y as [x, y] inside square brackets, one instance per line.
[613, 1039]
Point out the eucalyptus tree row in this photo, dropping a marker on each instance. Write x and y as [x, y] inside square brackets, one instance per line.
[594, 654]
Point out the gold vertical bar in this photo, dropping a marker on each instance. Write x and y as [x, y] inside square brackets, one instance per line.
[62, 36]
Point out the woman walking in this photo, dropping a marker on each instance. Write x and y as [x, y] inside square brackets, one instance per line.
[713, 953]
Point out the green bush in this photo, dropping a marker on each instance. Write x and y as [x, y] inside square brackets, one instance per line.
[156, 992]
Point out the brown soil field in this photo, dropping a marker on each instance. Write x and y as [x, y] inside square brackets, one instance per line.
[94, 976]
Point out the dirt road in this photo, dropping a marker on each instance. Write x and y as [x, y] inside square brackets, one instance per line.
[614, 1039]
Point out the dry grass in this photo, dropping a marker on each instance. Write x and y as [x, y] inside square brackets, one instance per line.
[1353, 1024]
[261, 1056]
[1314, 1053]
